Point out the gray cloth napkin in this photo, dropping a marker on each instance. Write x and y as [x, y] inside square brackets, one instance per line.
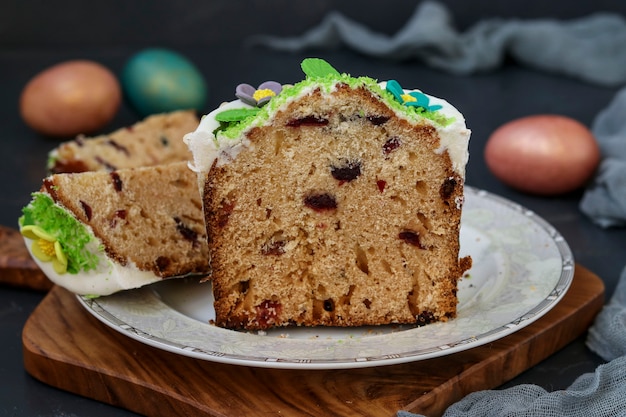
[590, 49]
[604, 200]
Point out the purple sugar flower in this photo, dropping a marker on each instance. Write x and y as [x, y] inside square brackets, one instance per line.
[258, 97]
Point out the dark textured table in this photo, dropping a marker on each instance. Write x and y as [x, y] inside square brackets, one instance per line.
[40, 36]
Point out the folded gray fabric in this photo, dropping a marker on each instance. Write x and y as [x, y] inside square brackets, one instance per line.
[599, 393]
[604, 200]
[590, 48]
[602, 393]
[607, 336]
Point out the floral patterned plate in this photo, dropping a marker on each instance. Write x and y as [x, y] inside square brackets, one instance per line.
[522, 267]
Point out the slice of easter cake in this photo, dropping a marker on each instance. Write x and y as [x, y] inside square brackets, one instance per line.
[337, 202]
[101, 232]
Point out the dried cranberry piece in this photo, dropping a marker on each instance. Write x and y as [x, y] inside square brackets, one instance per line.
[119, 147]
[377, 120]
[267, 312]
[184, 230]
[347, 172]
[87, 209]
[48, 184]
[381, 184]
[308, 121]
[224, 212]
[447, 188]
[117, 181]
[391, 145]
[162, 263]
[69, 166]
[320, 202]
[107, 165]
[411, 237]
[119, 214]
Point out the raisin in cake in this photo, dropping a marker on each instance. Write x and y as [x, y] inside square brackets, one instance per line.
[337, 203]
[152, 141]
[100, 232]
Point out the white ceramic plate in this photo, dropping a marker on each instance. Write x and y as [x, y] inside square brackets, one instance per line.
[522, 267]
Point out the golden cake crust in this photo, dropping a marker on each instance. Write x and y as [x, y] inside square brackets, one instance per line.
[153, 141]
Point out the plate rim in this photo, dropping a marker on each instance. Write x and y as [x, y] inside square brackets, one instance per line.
[562, 284]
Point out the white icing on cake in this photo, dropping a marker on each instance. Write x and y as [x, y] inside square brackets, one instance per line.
[206, 148]
[454, 137]
[108, 278]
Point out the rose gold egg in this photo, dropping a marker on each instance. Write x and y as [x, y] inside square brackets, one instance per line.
[543, 154]
[70, 98]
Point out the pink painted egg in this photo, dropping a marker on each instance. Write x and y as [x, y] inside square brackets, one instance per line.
[543, 154]
[70, 98]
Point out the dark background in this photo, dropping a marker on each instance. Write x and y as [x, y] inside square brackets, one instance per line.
[37, 34]
[102, 23]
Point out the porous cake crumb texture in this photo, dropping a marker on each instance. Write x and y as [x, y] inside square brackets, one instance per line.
[148, 217]
[340, 213]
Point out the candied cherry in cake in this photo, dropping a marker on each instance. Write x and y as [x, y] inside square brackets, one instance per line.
[267, 312]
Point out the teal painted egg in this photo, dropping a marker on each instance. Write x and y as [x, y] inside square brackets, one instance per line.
[159, 80]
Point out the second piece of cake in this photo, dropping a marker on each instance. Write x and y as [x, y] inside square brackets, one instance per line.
[100, 232]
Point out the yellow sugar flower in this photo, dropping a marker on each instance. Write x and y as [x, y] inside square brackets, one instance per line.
[45, 247]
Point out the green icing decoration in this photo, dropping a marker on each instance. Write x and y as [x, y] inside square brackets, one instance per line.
[236, 115]
[71, 234]
[321, 74]
[318, 68]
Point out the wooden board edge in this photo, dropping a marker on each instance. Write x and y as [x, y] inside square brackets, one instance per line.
[123, 392]
[17, 268]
